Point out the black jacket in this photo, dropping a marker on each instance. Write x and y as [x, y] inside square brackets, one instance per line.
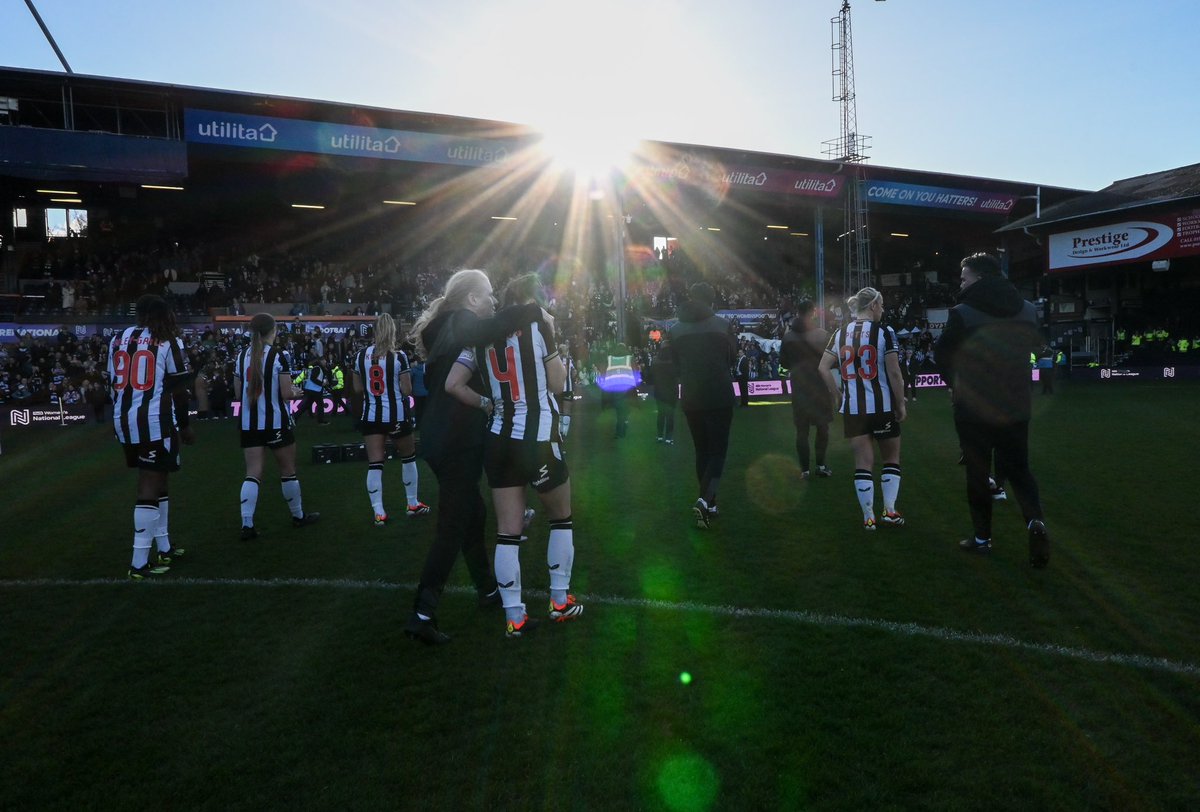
[984, 353]
[703, 345]
[446, 424]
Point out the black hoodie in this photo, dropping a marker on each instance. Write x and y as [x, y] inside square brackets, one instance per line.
[703, 346]
[983, 353]
[447, 425]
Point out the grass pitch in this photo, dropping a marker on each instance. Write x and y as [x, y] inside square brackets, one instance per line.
[783, 659]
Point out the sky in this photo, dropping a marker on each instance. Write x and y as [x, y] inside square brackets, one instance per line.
[1071, 93]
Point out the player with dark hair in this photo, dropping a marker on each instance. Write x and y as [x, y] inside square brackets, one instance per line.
[800, 352]
[384, 382]
[265, 389]
[871, 400]
[703, 346]
[984, 357]
[149, 377]
[524, 376]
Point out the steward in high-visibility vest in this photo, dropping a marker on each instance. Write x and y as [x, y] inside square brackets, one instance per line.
[338, 388]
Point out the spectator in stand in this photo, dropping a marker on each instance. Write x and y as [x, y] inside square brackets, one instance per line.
[741, 367]
[96, 396]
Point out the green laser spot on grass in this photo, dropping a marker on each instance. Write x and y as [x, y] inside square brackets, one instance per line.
[688, 783]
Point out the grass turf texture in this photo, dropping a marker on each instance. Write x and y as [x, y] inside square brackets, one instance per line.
[829, 668]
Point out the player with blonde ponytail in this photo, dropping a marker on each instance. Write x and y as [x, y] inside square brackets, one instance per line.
[383, 379]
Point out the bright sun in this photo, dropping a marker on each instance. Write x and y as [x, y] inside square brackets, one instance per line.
[587, 148]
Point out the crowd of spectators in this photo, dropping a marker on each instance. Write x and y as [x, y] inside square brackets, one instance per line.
[73, 282]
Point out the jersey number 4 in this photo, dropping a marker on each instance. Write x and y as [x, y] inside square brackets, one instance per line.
[136, 370]
[507, 376]
[867, 366]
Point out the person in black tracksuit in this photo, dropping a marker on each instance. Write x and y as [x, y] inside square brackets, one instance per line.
[984, 356]
[452, 437]
[664, 375]
[703, 346]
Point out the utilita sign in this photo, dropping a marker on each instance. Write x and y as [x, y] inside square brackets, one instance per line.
[1172, 235]
[296, 135]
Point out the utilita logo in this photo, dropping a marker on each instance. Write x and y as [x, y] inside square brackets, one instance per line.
[233, 131]
[365, 143]
[477, 153]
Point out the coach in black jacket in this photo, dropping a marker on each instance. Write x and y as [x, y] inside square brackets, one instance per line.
[984, 356]
[703, 346]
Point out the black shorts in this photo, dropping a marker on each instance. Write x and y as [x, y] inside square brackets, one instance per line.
[270, 438]
[395, 430]
[517, 463]
[153, 455]
[880, 426]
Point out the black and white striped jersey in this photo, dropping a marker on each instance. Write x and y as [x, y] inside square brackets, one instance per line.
[383, 399]
[515, 374]
[268, 411]
[142, 373]
[860, 348]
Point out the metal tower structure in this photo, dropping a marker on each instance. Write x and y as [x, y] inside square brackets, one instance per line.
[850, 149]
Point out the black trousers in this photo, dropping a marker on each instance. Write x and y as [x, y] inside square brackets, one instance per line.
[710, 436]
[1010, 444]
[461, 514]
[804, 422]
[666, 419]
[312, 399]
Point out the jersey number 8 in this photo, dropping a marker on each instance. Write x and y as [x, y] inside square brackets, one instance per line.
[376, 382]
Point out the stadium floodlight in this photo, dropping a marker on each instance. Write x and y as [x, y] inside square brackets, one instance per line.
[500, 217]
[400, 202]
[306, 206]
[782, 228]
[163, 188]
[54, 192]
[66, 200]
[899, 234]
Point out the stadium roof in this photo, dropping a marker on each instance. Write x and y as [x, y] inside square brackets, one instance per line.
[1157, 188]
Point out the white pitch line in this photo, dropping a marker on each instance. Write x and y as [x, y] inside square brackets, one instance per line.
[796, 616]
